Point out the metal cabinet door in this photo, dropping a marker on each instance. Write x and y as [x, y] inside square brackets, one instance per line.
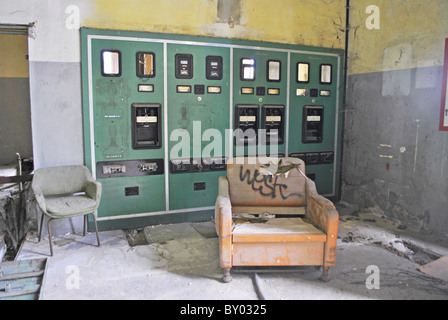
[315, 86]
[114, 85]
[198, 109]
[263, 90]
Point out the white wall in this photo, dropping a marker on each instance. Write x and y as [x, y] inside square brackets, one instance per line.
[55, 76]
[55, 83]
[55, 40]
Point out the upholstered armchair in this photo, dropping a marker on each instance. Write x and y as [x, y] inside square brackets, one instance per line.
[271, 215]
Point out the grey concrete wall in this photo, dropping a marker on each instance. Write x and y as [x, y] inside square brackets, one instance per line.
[395, 157]
[15, 119]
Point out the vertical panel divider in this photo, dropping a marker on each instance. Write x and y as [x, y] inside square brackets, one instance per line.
[288, 92]
[91, 117]
[336, 132]
[165, 125]
[230, 134]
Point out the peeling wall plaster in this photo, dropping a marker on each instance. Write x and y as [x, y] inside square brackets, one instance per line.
[418, 27]
[395, 157]
[285, 21]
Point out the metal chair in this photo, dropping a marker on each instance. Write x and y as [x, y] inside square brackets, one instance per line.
[66, 192]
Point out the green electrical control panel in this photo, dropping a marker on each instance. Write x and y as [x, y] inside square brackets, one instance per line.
[164, 113]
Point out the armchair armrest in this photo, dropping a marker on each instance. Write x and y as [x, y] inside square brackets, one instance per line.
[223, 187]
[93, 190]
[222, 201]
[323, 215]
[224, 223]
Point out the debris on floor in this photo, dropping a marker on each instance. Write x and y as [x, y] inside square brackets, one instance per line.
[18, 212]
[437, 269]
[369, 226]
[136, 237]
[207, 229]
[164, 233]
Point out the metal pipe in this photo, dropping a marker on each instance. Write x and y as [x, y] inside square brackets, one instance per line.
[344, 97]
[19, 166]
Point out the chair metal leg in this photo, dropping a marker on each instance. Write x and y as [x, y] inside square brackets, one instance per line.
[41, 226]
[96, 229]
[49, 236]
[85, 230]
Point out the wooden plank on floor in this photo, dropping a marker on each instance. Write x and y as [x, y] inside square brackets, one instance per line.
[18, 292]
[21, 275]
[22, 280]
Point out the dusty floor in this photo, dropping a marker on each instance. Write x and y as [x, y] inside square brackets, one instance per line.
[178, 262]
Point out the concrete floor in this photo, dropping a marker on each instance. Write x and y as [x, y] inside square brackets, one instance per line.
[182, 264]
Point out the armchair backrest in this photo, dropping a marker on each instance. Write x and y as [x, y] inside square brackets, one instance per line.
[252, 183]
[61, 180]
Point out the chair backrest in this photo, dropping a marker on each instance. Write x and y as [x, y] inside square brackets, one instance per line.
[61, 180]
[252, 184]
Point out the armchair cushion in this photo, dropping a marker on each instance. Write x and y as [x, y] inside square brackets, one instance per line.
[68, 206]
[278, 230]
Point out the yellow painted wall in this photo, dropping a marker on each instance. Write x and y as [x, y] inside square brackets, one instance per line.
[411, 35]
[175, 16]
[307, 22]
[13, 49]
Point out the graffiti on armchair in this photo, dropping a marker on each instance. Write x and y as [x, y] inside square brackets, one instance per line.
[266, 185]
